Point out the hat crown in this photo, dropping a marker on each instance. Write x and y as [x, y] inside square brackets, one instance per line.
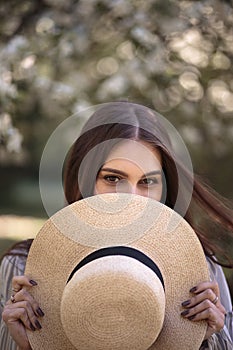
[113, 303]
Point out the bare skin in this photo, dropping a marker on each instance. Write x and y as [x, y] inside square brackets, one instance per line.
[202, 306]
[132, 167]
[23, 313]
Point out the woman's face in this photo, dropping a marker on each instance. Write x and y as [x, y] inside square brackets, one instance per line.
[132, 167]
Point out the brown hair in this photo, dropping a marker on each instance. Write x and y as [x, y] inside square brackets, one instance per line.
[122, 120]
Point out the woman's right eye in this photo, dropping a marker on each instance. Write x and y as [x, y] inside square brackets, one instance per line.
[112, 178]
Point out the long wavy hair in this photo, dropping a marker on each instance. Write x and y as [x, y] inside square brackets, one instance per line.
[206, 212]
[110, 124]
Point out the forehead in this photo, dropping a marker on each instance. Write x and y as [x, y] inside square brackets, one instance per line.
[137, 152]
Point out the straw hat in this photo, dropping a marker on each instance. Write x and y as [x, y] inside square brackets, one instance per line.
[112, 272]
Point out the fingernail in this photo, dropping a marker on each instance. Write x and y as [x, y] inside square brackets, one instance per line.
[190, 318]
[40, 312]
[184, 313]
[32, 327]
[38, 325]
[186, 303]
[193, 290]
[32, 282]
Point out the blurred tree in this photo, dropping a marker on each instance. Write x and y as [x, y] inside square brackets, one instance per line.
[59, 56]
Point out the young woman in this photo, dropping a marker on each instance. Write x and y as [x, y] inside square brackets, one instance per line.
[125, 147]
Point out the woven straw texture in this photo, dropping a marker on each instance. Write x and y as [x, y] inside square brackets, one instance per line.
[120, 305]
[85, 226]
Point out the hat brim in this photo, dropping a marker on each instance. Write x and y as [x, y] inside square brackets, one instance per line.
[117, 219]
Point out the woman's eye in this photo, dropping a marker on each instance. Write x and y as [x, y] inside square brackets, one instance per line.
[111, 178]
[149, 181]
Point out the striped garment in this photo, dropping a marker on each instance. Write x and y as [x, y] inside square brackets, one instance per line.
[14, 265]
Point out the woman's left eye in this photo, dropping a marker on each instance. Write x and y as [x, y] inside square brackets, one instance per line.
[149, 181]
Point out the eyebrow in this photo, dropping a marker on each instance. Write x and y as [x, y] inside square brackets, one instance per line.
[120, 172]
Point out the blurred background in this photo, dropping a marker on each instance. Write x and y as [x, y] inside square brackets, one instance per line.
[61, 56]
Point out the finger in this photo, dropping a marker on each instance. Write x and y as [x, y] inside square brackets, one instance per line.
[213, 285]
[24, 295]
[22, 312]
[221, 308]
[206, 310]
[18, 333]
[198, 308]
[188, 304]
[213, 317]
[211, 293]
[200, 303]
[198, 298]
[18, 282]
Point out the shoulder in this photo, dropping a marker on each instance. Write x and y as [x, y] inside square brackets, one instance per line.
[15, 260]
[12, 265]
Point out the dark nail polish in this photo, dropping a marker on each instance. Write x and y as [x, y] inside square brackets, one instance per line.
[40, 312]
[191, 317]
[33, 283]
[32, 327]
[193, 290]
[186, 303]
[38, 325]
[184, 313]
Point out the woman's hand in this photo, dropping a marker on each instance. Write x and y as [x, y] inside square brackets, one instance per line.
[205, 304]
[22, 312]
